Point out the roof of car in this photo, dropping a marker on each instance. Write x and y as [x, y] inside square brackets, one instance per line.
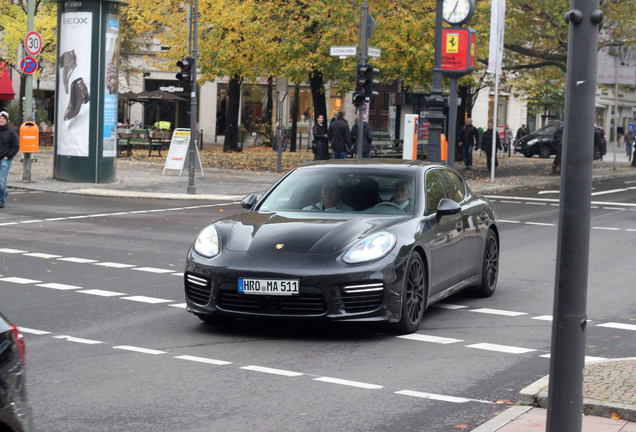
[375, 163]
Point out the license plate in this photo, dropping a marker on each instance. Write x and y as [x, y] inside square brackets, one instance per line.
[283, 287]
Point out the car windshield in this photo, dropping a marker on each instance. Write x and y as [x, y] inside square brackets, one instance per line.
[548, 130]
[343, 190]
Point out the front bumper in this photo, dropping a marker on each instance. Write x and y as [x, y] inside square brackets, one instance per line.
[329, 288]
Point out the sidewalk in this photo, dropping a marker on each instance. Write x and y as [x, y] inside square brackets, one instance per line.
[609, 390]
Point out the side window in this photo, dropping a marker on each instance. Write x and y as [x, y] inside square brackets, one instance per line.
[455, 187]
[434, 191]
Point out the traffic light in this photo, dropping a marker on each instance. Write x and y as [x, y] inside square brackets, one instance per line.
[185, 76]
[367, 72]
[358, 93]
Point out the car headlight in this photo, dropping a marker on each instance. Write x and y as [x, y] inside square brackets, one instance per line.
[533, 141]
[207, 244]
[370, 248]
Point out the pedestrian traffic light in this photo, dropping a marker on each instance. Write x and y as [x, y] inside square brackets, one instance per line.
[185, 75]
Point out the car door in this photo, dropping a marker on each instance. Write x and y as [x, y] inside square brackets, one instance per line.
[445, 237]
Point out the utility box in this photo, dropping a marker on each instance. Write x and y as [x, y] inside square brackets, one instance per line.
[29, 137]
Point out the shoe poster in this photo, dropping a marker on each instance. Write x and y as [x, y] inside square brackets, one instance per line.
[74, 82]
[110, 92]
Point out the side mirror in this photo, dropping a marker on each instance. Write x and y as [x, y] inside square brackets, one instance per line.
[249, 201]
[447, 207]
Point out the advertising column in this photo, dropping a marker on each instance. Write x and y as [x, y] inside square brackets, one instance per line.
[87, 66]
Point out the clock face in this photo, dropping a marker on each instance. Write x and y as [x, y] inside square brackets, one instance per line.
[458, 11]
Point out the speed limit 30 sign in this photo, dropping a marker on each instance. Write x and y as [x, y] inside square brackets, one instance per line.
[33, 43]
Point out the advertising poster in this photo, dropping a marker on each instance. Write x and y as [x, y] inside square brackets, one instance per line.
[74, 83]
[110, 92]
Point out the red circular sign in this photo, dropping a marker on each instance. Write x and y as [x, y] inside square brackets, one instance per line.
[33, 43]
[29, 65]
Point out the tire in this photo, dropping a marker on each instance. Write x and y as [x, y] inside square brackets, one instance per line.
[489, 266]
[414, 296]
[527, 154]
[545, 152]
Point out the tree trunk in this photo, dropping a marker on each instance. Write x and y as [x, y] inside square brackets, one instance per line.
[232, 116]
[269, 109]
[318, 95]
[294, 114]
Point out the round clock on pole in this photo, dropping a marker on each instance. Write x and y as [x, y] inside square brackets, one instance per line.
[458, 12]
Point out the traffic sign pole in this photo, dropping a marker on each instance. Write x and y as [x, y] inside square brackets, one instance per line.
[28, 88]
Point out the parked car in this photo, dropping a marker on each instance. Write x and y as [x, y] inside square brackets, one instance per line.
[374, 257]
[15, 412]
[543, 142]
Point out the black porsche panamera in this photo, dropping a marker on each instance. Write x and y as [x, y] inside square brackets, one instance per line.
[347, 240]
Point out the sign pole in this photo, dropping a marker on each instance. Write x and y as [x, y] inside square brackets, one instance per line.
[191, 189]
[28, 96]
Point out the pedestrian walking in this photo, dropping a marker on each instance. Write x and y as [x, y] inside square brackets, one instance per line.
[487, 145]
[629, 143]
[468, 139]
[367, 138]
[9, 147]
[507, 139]
[321, 139]
[340, 136]
[521, 132]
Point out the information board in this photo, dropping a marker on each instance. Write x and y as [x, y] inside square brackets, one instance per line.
[178, 152]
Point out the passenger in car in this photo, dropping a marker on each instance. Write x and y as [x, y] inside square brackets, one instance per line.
[330, 198]
[402, 193]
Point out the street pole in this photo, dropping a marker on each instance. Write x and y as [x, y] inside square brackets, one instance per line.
[435, 102]
[615, 104]
[28, 97]
[567, 360]
[452, 123]
[193, 99]
[363, 49]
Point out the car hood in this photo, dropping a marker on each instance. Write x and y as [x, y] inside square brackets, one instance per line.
[268, 232]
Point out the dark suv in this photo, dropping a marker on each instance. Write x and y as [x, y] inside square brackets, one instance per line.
[15, 412]
[544, 141]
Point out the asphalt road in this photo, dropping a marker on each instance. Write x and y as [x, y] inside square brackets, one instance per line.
[95, 285]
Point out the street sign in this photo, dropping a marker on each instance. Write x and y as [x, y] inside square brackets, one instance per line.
[374, 52]
[343, 51]
[33, 43]
[171, 89]
[29, 65]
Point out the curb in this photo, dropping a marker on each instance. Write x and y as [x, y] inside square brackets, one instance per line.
[503, 419]
[153, 195]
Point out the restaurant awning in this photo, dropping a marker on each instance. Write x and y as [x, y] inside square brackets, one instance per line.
[6, 88]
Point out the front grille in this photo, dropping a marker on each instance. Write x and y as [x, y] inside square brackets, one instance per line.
[358, 302]
[197, 289]
[304, 304]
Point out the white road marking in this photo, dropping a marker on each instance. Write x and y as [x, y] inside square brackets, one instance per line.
[8, 223]
[78, 260]
[536, 203]
[41, 255]
[19, 280]
[500, 348]
[78, 217]
[608, 192]
[33, 331]
[12, 251]
[509, 221]
[448, 306]
[614, 208]
[498, 312]
[31, 221]
[619, 326]
[272, 371]
[540, 224]
[59, 286]
[543, 318]
[78, 340]
[428, 338]
[144, 299]
[606, 229]
[349, 383]
[588, 359]
[55, 219]
[138, 349]
[114, 265]
[510, 202]
[203, 360]
[177, 274]
[178, 305]
[153, 270]
[439, 397]
[549, 192]
[101, 293]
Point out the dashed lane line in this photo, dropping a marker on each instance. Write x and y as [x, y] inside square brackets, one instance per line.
[498, 312]
[501, 348]
[114, 265]
[139, 349]
[18, 280]
[58, 286]
[78, 340]
[619, 326]
[203, 360]
[349, 383]
[439, 397]
[101, 293]
[272, 371]
[153, 270]
[144, 299]
[428, 338]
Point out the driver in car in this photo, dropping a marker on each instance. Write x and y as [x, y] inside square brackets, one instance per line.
[330, 198]
[402, 193]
